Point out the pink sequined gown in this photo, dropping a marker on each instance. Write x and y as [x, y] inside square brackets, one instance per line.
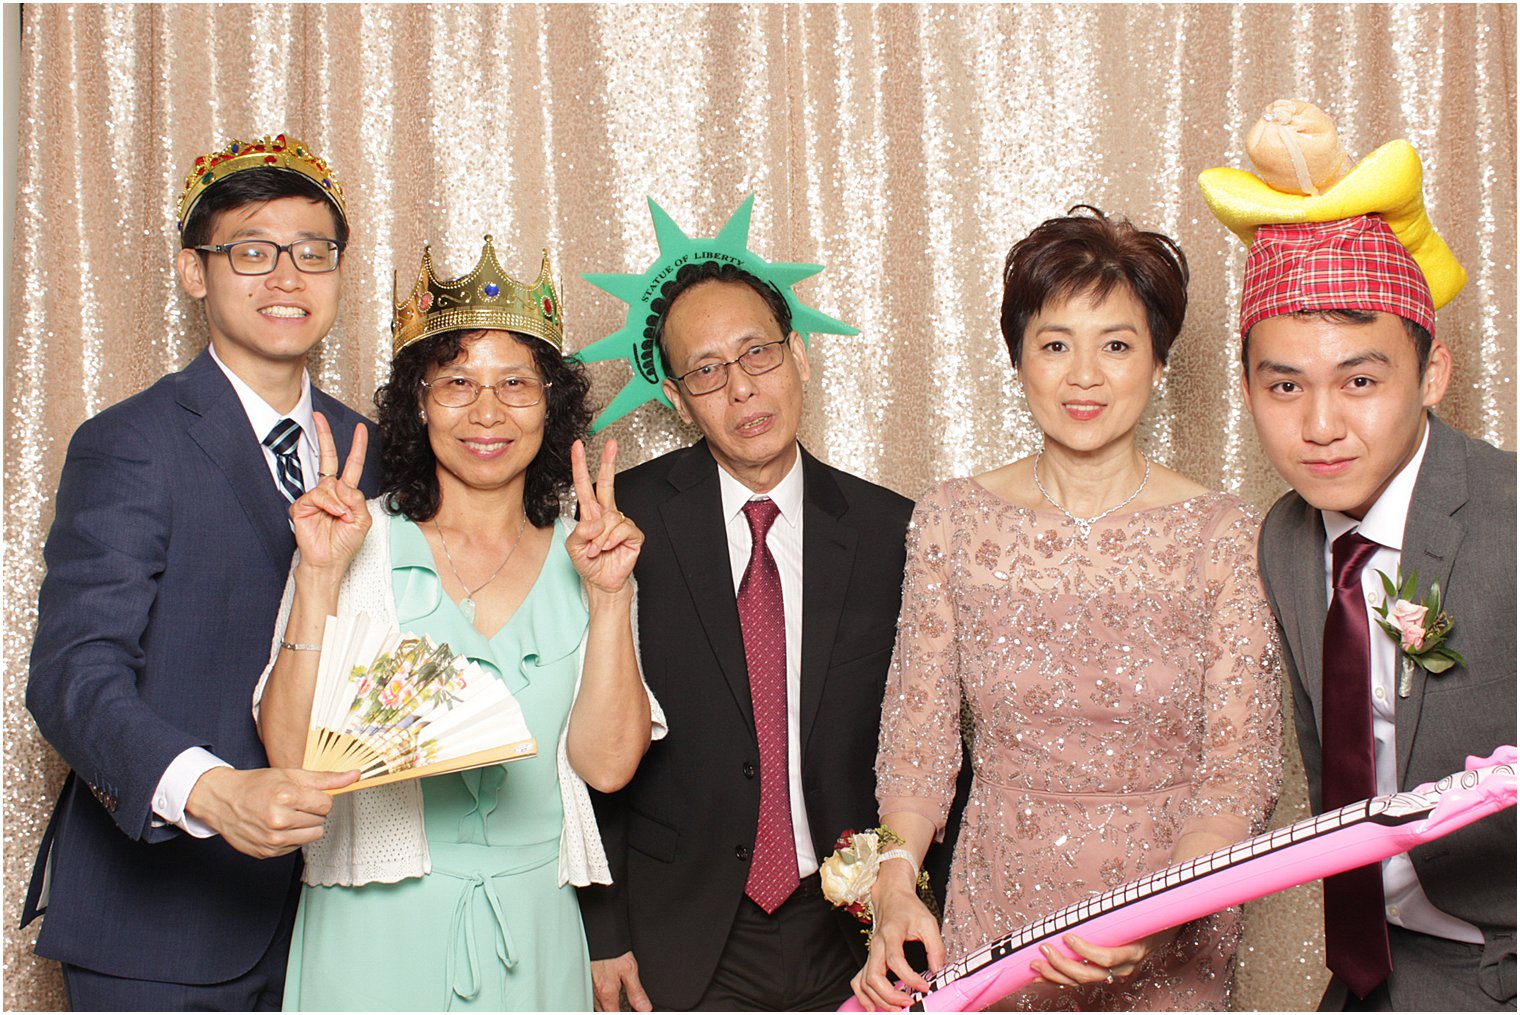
[1118, 693]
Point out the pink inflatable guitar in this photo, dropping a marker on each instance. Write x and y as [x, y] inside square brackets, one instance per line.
[1356, 835]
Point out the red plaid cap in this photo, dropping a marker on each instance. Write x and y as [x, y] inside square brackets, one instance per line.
[1349, 264]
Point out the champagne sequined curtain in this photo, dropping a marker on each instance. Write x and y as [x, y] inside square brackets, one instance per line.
[904, 147]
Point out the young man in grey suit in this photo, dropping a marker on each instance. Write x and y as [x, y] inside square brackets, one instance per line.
[168, 872]
[1341, 373]
[770, 652]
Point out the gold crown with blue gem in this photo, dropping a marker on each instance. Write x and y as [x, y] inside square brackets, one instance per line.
[487, 297]
[267, 152]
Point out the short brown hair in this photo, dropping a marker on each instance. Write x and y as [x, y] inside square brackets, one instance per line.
[1093, 254]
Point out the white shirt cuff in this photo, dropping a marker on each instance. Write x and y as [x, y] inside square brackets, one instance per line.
[174, 789]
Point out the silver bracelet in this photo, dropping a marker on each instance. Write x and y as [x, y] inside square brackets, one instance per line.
[299, 648]
[900, 854]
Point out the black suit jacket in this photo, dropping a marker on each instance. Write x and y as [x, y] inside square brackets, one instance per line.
[678, 837]
[165, 563]
[1461, 533]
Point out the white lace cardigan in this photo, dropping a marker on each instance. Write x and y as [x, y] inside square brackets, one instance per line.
[377, 834]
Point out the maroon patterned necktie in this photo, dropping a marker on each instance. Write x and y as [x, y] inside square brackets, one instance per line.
[1356, 931]
[773, 865]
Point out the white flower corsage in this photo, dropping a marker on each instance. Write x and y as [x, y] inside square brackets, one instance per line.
[850, 872]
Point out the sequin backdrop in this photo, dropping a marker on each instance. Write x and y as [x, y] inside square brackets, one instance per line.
[904, 147]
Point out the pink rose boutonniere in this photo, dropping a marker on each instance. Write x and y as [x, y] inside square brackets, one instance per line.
[1420, 628]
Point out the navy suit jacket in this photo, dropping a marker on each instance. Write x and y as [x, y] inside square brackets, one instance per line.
[165, 564]
[678, 836]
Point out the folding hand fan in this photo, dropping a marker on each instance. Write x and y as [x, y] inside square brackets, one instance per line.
[397, 706]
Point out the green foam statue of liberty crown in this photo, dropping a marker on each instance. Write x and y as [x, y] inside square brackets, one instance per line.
[635, 341]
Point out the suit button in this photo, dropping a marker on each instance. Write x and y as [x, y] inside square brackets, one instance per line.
[742, 852]
[749, 770]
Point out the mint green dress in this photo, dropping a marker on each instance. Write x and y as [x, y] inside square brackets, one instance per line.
[490, 928]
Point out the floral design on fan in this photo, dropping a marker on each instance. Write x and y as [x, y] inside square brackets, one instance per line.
[398, 686]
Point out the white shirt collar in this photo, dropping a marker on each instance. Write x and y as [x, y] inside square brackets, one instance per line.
[1384, 521]
[787, 494]
[262, 416]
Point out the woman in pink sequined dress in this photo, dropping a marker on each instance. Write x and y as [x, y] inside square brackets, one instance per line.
[1100, 620]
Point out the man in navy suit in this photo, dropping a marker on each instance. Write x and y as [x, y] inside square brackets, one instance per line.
[169, 870]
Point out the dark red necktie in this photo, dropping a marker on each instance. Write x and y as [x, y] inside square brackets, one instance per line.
[773, 865]
[1356, 931]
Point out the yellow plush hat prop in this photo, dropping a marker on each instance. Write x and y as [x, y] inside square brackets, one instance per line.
[1386, 183]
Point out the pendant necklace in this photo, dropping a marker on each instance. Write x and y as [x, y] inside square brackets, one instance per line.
[467, 604]
[1084, 525]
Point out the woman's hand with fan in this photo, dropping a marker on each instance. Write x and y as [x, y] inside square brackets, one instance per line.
[330, 522]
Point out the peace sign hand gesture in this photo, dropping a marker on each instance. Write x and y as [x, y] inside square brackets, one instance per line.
[605, 543]
[330, 519]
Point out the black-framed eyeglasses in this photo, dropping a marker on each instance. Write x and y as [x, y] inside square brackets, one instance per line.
[756, 360]
[259, 257]
[513, 392]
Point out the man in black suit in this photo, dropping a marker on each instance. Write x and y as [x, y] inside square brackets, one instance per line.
[168, 872]
[770, 656]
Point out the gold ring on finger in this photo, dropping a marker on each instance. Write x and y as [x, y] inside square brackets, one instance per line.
[327, 475]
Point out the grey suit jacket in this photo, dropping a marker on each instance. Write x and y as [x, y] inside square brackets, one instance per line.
[1461, 532]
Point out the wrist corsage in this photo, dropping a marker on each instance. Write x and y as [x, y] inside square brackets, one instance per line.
[849, 873]
[1420, 629]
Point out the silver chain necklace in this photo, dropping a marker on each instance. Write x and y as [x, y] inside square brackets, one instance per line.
[467, 605]
[1084, 525]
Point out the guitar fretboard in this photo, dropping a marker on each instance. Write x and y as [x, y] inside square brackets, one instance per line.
[1393, 809]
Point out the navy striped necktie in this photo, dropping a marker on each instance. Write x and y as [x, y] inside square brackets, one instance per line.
[283, 440]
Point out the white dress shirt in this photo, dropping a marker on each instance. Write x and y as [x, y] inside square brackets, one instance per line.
[262, 417]
[1404, 900]
[784, 540]
[185, 770]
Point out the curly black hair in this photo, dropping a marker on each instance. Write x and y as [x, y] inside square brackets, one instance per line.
[409, 477]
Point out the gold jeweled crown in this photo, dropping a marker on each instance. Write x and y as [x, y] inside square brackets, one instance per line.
[277, 152]
[487, 297]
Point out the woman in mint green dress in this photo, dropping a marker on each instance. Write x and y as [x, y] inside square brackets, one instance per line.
[457, 891]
